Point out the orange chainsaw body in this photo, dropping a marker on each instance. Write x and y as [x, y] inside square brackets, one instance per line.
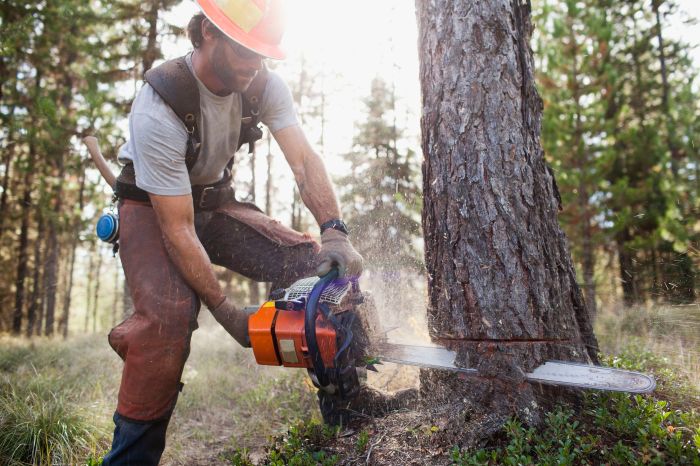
[277, 337]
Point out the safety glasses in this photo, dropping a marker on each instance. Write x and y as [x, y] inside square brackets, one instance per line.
[242, 52]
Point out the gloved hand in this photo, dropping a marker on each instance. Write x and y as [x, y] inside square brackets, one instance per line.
[233, 320]
[336, 250]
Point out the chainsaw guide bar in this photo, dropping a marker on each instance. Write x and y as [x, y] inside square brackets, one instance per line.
[550, 373]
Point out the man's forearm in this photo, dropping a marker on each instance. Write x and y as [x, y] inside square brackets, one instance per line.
[192, 261]
[316, 190]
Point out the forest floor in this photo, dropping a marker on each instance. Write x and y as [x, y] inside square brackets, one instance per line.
[233, 411]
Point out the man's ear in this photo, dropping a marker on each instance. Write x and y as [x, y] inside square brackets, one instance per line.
[208, 30]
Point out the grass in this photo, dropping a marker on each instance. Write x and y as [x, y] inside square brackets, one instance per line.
[57, 399]
[46, 430]
[671, 333]
[43, 388]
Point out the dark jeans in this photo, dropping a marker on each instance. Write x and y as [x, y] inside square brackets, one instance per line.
[154, 341]
[136, 443]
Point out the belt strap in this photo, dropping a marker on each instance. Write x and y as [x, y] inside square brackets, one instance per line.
[204, 197]
[211, 197]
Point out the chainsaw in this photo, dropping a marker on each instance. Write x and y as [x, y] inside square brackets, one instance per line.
[329, 327]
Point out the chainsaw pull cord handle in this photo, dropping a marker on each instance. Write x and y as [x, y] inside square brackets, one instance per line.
[310, 325]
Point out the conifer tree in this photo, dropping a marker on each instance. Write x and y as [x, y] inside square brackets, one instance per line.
[381, 193]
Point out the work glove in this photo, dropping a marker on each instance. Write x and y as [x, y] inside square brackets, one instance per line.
[336, 251]
[233, 320]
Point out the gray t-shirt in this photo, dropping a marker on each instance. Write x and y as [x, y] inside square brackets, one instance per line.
[157, 137]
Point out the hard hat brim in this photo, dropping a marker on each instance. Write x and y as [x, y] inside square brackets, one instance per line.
[212, 11]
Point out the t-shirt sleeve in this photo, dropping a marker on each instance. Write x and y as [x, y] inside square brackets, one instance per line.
[277, 107]
[159, 141]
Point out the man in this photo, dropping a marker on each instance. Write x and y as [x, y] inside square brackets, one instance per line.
[178, 214]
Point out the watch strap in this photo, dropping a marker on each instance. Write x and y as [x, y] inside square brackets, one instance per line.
[335, 224]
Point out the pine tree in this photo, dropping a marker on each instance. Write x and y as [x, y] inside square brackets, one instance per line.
[381, 195]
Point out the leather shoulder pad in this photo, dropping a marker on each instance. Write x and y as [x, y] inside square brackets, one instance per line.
[176, 85]
[253, 95]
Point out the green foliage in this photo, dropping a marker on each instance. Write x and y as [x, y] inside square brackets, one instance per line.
[362, 441]
[52, 407]
[62, 63]
[239, 457]
[611, 428]
[616, 128]
[43, 428]
[380, 195]
[302, 445]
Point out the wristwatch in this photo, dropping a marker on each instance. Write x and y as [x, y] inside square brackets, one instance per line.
[335, 224]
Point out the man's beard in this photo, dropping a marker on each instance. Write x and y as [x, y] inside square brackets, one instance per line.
[228, 76]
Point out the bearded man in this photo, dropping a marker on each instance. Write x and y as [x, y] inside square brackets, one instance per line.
[178, 213]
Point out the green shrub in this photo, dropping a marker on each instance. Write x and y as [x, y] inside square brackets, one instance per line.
[42, 430]
[362, 441]
[611, 428]
[300, 447]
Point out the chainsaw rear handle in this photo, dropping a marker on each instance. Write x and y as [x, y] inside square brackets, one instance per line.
[310, 325]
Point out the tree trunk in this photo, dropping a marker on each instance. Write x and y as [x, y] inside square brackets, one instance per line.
[37, 296]
[88, 285]
[9, 154]
[582, 161]
[22, 251]
[65, 319]
[96, 290]
[53, 250]
[502, 287]
[51, 277]
[152, 50]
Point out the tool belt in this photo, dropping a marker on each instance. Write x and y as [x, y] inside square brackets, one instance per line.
[204, 197]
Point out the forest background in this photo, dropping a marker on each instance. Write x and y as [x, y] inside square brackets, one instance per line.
[619, 81]
[621, 111]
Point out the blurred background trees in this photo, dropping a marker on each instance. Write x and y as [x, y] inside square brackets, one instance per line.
[620, 128]
[621, 116]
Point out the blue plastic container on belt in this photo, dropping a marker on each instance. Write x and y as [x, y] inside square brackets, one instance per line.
[107, 227]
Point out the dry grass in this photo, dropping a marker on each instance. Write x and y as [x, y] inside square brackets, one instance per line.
[228, 400]
[671, 332]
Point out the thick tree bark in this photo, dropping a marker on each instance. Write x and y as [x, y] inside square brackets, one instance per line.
[502, 288]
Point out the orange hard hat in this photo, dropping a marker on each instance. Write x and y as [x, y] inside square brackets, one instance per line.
[255, 24]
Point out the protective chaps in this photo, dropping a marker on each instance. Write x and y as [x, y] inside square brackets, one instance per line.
[154, 341]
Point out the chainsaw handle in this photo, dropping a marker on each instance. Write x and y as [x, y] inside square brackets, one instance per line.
[310, 324]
